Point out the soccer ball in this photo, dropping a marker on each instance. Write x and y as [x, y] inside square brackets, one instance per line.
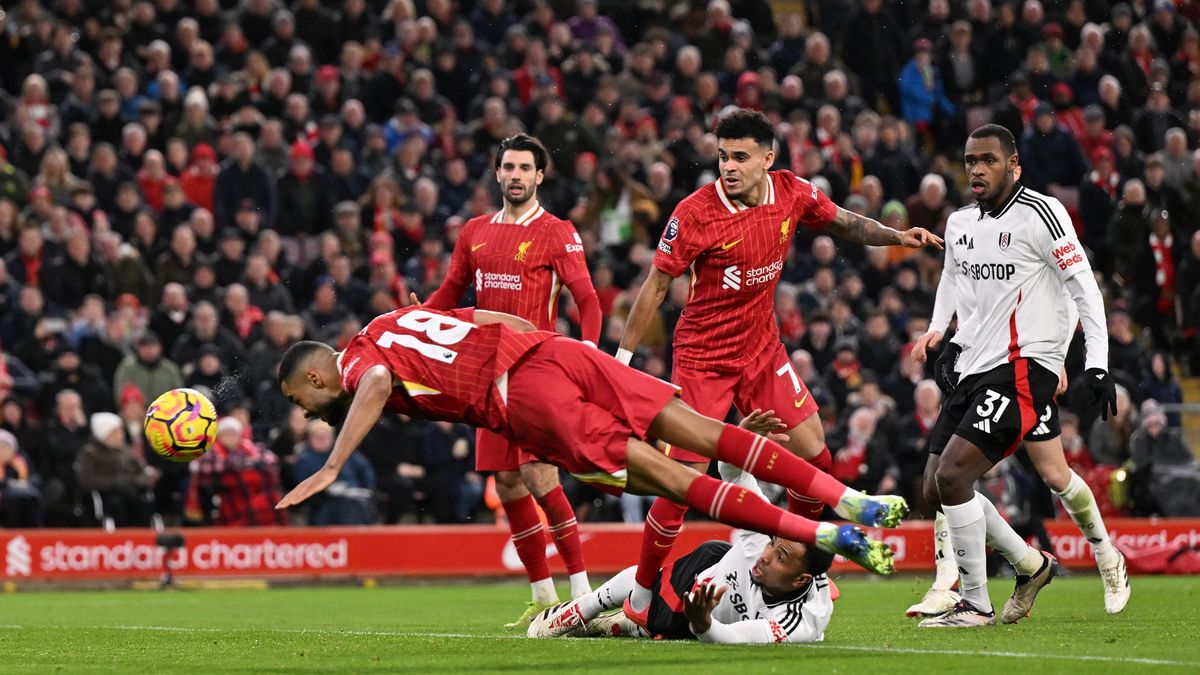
[181, 425]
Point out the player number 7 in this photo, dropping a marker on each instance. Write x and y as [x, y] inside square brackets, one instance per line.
[791, 372]
[443, 330]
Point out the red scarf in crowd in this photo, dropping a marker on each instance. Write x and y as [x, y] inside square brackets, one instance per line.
[247, 320]
[1164, 270]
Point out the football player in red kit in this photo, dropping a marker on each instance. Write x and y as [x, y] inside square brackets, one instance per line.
[733, 236]
[519, 258]
[570, 405]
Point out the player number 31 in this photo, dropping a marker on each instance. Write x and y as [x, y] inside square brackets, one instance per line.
[442, 330]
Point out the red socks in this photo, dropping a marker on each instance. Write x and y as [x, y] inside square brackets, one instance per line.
[658, 536]
[739, 507]
[564, 529]
[528, 537]
[807, 506]
[769, 461]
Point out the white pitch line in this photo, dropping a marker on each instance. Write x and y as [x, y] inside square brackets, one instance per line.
[1019, 655]
[335, 632]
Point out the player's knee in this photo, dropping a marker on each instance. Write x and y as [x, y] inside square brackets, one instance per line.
[539, 478]
[509, 486]
[947, 477]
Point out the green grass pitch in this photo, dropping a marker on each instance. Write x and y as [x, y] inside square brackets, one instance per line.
[431, 628]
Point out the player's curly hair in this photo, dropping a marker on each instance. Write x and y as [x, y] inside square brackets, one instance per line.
[296, 356]
[541, 158]
[742, 123]
[999, 133]
[817, 561]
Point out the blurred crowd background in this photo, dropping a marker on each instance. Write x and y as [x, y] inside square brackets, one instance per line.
[188, 187]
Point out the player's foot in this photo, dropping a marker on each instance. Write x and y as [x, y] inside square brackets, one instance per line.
[853, 544]
[531, 610]
[961, 615]
[872, 511]
[935, 603]
[613, 624]
[562, 620]
[1021, 601]
[639, 618]
[1116, 582]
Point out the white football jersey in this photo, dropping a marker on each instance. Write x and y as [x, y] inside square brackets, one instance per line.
[801, 616]
[1012, 265]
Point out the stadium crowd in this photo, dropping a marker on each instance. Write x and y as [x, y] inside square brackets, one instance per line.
[188, 188]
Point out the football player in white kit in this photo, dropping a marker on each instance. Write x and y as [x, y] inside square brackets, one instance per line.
[1016, 254]
[1045, 450]
[757, 589]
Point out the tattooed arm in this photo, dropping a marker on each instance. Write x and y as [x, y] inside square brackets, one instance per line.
[854, 227]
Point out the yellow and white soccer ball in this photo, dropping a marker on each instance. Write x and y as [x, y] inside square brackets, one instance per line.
[181, 425]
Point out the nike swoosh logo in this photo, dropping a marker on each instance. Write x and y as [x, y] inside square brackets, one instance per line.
[802, 400]
[726, 247]
[476, 247]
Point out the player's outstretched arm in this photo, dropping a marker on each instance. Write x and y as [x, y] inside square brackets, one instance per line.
[850, 225]
[484, 317]
[651, 295]
[374, 389]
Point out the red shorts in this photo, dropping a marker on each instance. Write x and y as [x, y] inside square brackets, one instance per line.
[495, 452]
[576, 407]
[768, 382]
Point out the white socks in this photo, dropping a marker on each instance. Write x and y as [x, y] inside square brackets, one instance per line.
[543, 590]
[1081, 505]
[609, 596]
[947, 570]
[580, 585]
[1004, 540]
[639, 597]
[967, 534]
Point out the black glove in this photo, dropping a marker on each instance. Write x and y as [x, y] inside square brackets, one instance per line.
[1102, 391]
[943, 368]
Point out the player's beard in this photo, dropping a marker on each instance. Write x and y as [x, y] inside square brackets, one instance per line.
[526, 194]
[335, 412]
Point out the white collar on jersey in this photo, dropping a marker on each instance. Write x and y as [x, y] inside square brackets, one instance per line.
[530, 215]
[736, 206]
[1003, 208]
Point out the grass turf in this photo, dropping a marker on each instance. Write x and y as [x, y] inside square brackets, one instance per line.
[432, 628]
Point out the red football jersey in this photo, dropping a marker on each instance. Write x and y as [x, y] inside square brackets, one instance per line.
[519, 268]
[735, 254]
[447, 364]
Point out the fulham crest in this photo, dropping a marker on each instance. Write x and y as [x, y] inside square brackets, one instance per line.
[1005, 240]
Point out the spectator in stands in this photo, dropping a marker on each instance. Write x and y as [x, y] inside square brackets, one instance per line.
[147, 370]
[1154, 277]
[65, 434]
[108, 467]
[20, 496]
[1108, 441]
[1160, 384]
[1160, 455]
[242, 177]
[1050, 156]
[206, 329]
[1127, 227]
[454, 489]
[349, 500]
[236, 483]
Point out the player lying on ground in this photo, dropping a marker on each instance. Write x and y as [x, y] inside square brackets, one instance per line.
[570, 405]
[758, 589]
[1044, 445]
[1017, 255]
[733, 237]
[519, 259]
